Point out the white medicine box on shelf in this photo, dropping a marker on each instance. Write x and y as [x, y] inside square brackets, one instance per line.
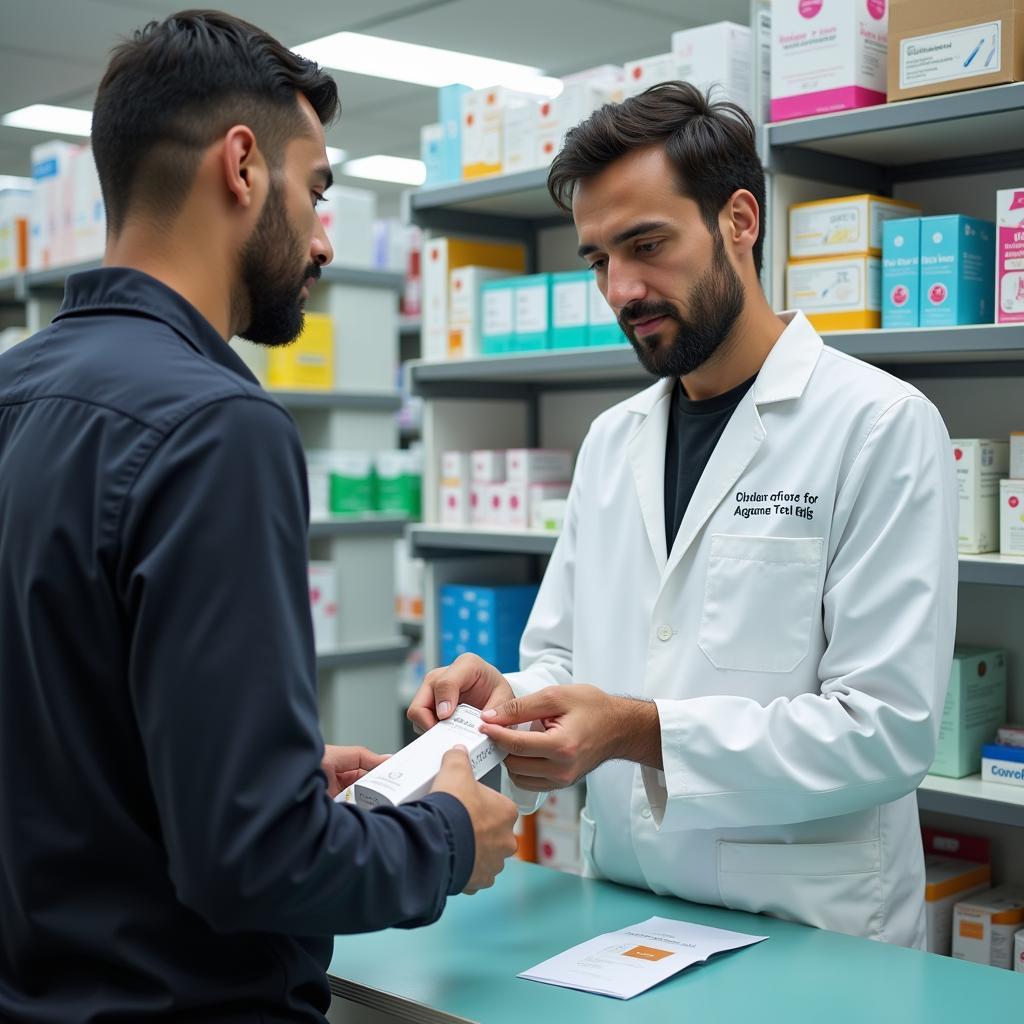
[980, 464]
[348, 221]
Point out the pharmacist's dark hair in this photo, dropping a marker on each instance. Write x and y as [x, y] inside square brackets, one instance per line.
[176, 85]
[711, 143]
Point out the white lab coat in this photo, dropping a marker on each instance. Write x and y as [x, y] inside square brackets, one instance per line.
[798, 662]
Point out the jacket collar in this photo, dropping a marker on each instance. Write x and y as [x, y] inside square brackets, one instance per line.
[783, 376]
[127, 291]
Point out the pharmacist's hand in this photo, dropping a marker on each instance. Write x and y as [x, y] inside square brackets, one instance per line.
[575, 728]
[467, 680]
[345, 765]
[493, 817]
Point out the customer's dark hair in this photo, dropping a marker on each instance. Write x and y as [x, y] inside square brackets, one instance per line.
[711, 144]
[174, 86]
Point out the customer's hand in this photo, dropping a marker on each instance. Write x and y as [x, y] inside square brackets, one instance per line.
[345, 765]
[467, 680]
[493, 817]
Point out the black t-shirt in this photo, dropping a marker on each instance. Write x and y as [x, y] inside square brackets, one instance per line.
[693, 431]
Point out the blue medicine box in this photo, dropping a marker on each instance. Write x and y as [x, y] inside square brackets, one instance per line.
[449, 116]
[901, 272]
[486, 621]
[497, 315]
[532, 307]
[957, 271]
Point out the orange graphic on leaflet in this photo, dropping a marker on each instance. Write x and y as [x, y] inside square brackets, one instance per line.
[647, 953]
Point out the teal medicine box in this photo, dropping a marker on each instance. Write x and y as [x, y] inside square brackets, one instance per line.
[957, 271]
[497, 315]
[532, 310]
[570, 296]
[901, 272]
[603, 327]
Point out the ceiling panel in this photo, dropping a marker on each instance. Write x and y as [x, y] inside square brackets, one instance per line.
[687, 12]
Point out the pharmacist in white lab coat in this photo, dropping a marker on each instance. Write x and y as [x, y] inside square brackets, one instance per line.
[778, 619]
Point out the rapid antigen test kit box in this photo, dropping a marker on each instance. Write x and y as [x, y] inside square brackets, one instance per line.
[827, 55]
[984, 926]
[901, 272]
[838, 293]
[957, 270]
[845, 226]
[980, 465]
[975, 708]
[1010, 256]
[410, 773]
[718, 56]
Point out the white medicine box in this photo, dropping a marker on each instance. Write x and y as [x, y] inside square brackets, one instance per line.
[1011, 518]
[323, 600]
[984, 926]
[980, 464]
[1017, 455]
[719, 55]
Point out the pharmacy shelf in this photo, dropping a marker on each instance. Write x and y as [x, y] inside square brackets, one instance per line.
[998, 570]
[957, 133]
[51, 281]
[357, 655]
[412, 628]
[972, 798]
[360, 401]
[504, 205]
[376, 525]
[442, 541]
[448, 541]
[977, 350]
[410, 324]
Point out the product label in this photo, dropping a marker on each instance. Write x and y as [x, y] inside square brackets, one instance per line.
[497, 311]
[951, 55]
[532, 309]
[569, 302]
[834, 287]
[1010, 257]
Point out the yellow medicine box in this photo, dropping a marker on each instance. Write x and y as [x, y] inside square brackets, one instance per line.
[842, 293]
[308, 362]
[847, 226]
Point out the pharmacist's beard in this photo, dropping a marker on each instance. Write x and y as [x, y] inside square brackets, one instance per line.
[271, 287]
[715, 305]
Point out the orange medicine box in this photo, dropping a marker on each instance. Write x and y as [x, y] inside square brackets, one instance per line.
[984, 926]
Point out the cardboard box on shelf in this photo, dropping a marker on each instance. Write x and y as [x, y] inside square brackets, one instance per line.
[454, 503]
[602, 324]
[465, 310]
[440, 257]
[308, 362]
[569, 320]
[323, 599]
[49, 229]
[485, 620]
[984, 926]
[348, 220]
[432, 153]
[943, 46]
[1010, 256]
[352, 482]
[532, 308]
[947, 881]
[559, 848]
[562, 807]
[1017, 455]
[1002, 763]
[719, 57]
[1011, 518]
[642, 74]
[487, 466]
[957, 271]
[522, 502]
[538, 465]
[901, 272]
[15, 208]
[483, 118]
[520, 135]
[498, 317]
[827, 55]
[449, 116]
[399, 482]
[837, 293]
[975, 707]
[980, 464]
[845, 226]
[88, 215]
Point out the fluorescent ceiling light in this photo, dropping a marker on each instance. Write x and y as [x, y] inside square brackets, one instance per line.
[12, 181]
[423, 65]
[398, 169]
[41, 117]
[335, 156]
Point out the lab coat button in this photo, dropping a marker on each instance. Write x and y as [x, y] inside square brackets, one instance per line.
[645, 813]
[664, 632]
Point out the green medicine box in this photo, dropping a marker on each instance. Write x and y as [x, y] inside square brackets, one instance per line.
[351, 483]
[570, 316]
[532, 307]
[975, 708]
[399, 483]
[497, 314]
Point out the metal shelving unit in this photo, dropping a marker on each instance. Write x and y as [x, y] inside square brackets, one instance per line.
[356, 655]
[375, 525]
[971, 798]
[360, 401]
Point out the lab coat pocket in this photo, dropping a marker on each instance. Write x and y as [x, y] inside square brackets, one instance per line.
[588, 833]
[760, 599]
[837, 886]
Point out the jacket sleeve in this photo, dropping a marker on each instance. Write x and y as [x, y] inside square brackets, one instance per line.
[213, 578]
[889, 608]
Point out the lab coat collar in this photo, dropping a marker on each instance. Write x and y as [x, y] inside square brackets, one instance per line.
[783, 375]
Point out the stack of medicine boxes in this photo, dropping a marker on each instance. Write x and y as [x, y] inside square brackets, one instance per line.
[486, 621]
[937, 271]
[545, 311]
[1011, 501]
[834, 269]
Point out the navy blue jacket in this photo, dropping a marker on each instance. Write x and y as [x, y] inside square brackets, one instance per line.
[167, 845]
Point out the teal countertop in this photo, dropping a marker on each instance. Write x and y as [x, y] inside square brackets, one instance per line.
[464, 967]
